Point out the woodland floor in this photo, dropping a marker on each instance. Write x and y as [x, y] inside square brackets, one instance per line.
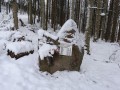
[99, 71]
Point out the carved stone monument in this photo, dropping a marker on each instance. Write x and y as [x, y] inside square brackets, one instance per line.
[68, 55]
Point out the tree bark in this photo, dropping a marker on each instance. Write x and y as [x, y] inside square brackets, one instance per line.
[15, 16]
[34, 6]
[30, 12]
[89, 26]
[42, 5]
[97, 23]
[0, 5]
[46, 21]
[109, 22]
[103, 19]
[115, 20]
[73, 8]
[118, 39]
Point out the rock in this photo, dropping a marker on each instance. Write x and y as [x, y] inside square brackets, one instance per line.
[62, 62]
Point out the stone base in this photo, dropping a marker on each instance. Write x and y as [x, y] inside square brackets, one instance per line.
[60, 62]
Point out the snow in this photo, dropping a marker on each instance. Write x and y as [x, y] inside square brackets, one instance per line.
[42, 32]
[93, 7]
[6, 21]
[20, 47]
[3, 46]
[102, 14]
[46, 50]
[69, 25]
[95, 74]
[78, 37]
[99, 71]
[6, 35]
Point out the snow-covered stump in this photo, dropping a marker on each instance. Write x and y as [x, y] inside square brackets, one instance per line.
[64, 52]
[19, 49]
[62, 62]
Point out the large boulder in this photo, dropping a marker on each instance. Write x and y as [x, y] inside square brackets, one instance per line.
[62, 62]
[68, 53]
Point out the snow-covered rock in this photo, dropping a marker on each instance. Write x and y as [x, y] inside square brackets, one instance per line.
[68, 25]
[70, 29]
[20, 47]
[46, 50]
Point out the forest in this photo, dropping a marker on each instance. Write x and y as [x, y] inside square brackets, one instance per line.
[59, 44]
[98, 19]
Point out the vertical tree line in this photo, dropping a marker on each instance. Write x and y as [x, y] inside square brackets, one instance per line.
[99, 19]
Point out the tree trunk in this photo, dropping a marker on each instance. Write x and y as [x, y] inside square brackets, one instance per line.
[103, 19]
[73, 8]
[115, 20]
[89, 26]
[84, 17]
[34, 6]
[118, 39]
[30, 12]
[15, 16]
[42, 12]
[46, 21]
[7, 7]
[68, 12]
[109, 22]
[54, 14]
[0, 5]
[97, 23]
[38, 11]
[77, 12]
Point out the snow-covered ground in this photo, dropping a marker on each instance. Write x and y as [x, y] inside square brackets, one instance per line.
[99, 71]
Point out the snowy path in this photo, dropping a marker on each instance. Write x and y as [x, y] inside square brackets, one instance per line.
[97, 72]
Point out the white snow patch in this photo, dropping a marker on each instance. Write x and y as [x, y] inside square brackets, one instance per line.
[6, 35]
[69, 25]
[20, 47]
[3, 46]
[102, 14]
[77, 39]
[46, 50]
[42, 32]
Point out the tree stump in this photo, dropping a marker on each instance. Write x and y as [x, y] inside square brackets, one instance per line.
[62, 62]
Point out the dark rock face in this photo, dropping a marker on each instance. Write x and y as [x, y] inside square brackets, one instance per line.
[61, 62]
